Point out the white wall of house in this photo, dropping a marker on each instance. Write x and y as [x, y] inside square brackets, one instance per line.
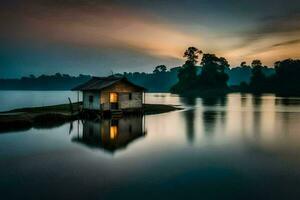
[91, 105]
[125, 102]
[136, 100]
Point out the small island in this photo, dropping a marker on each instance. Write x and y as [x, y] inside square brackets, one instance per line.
[53, 116]
[102, 97]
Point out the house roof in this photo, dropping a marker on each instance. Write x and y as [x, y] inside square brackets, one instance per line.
[99, 83]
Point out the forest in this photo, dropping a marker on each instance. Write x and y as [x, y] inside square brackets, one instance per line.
[214, 76]
[161, 79]
[209, 75]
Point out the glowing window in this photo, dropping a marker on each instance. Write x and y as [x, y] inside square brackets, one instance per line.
[113, 97]
[113, 132]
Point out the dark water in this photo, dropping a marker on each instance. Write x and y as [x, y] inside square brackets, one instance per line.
[237, 147]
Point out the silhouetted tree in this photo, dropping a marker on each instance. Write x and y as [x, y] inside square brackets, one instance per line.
[287, 77]
[256, 63]
[212, 78]
[243, 64]
[159, 69]
[213, 71]
[192, 55]
[32, 76]
[187, 74]
[258, 79]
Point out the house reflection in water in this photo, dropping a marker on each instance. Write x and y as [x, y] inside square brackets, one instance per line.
[111, 134]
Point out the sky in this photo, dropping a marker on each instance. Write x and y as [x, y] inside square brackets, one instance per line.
[101, 37]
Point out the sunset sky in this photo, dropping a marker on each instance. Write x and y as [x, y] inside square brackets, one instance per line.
[100, 37]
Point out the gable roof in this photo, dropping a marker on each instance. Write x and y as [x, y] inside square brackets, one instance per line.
[99, 83]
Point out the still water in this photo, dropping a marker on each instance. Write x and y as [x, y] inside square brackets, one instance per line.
[236, 147]
[12, 99]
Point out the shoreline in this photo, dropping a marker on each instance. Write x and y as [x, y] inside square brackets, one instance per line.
[53, 116]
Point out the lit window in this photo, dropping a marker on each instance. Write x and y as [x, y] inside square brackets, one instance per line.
[113, 97]
[113, 132]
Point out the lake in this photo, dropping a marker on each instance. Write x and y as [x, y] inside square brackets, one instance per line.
[235, 147]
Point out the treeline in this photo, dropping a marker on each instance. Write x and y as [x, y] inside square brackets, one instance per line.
[284, 79]
[160, 80]
[44, 82]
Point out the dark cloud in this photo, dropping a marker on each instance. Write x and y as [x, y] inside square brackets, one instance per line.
[286, 43]
[281, 25]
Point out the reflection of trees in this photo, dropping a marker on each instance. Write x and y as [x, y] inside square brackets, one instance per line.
[257, 101]
[213, 101]
[211, 115]
[190, 125]
[243, 99]
[209, 101]
[189, 117]
[285, 117]
[287, 101]
[209, 121]
[223, 101]
[190, 101]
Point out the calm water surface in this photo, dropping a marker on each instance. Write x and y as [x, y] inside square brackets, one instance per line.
[19, 99]
[237, 147]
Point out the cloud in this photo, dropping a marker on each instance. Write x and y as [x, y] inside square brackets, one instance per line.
[286, 43]
[146, 32]
[101, 26]
[271, 38]
[283, 25]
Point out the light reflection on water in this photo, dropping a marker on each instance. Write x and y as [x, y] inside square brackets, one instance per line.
[239, 146]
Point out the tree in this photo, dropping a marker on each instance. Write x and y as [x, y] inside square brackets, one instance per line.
[277, 64]
[187, 74]
[192, 55]
[288, 73]
[256, 63]
[258, 78]
[58, 75]
[256, 68]
[159, 69]
[245, 66]
[213, 71]
[212, 79]
[32, 76]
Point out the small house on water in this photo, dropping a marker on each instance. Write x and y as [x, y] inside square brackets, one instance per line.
[111, 94]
